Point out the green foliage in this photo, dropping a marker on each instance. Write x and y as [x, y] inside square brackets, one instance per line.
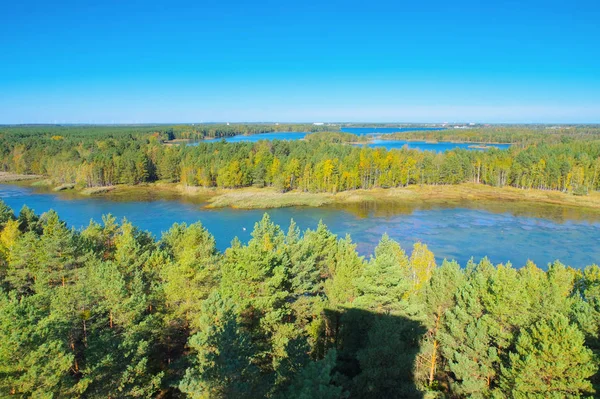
[549, 361]
[108, 312]
[29, 221]
[437, 297]
[33, 358]
[384, 282]
[315, 381]
[192, 274]
[565, 160]
[386, 361]
[6, 213]
[222, 366]
[466, 338]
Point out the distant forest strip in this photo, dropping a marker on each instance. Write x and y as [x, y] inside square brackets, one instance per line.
[163, 132]
[567, 161]
[521, 135]
[109, 312]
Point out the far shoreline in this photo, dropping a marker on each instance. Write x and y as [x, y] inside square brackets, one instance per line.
[270, 198]
[368, 139]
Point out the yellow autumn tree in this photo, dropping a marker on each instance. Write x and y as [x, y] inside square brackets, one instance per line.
[8, 237]
[422, 263]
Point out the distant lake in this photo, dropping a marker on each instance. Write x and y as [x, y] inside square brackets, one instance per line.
[459, 230]
[439, 147]
[361, 131]
[252, 138]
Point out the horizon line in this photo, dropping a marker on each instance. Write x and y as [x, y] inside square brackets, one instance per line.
[291, 123]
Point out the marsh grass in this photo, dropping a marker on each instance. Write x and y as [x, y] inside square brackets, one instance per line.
[265, 198]
[7, 177]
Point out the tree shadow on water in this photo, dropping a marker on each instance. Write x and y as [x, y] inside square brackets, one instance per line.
[376, 353]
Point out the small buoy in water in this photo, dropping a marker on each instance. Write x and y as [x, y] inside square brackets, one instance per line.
[243, 228]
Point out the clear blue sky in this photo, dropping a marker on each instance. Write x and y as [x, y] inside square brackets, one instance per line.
[421, 61]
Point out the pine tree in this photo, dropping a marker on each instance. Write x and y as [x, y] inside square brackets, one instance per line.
[314, 381]
[466, 339]
[386, 361]
[29, 221]
[256, 278]
[56, 254]
[34, 360]
[310, 257]
[222, 358]
[383, 282]
[23, 267]
[549, 361]
[6, 214]
[345, 268]
[193, 271]
[436, 297]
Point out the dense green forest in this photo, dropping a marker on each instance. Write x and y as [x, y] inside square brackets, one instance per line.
[567, 160]
[109, 312]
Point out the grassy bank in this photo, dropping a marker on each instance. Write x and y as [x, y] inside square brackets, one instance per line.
[249, 198]
[7, 177]
[264, 198]
[466, 191]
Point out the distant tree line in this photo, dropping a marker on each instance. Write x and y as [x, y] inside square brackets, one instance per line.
[320, 163]
[109, 312]
[522, 136]
[163, 132]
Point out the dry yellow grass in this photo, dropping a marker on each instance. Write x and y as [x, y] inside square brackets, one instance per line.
[265, 198]
[97, 190]
[7, 177]
[483, 192]
[268, 198]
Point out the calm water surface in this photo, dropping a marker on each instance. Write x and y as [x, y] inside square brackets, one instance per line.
[263, 136]
[440, 146]
[503, 232]
[361, 131]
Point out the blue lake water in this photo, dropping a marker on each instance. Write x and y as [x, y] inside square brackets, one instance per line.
[388, 144]
[503, 232]
[263, 136]
[440, 146]
[361, 131]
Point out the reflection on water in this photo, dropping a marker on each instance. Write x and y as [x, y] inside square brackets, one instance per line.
[555, 213]
[459, 230]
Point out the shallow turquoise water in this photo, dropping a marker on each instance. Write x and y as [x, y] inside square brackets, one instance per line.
[503, 232]
[263, 136]
[361, 131]
[440, 146]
